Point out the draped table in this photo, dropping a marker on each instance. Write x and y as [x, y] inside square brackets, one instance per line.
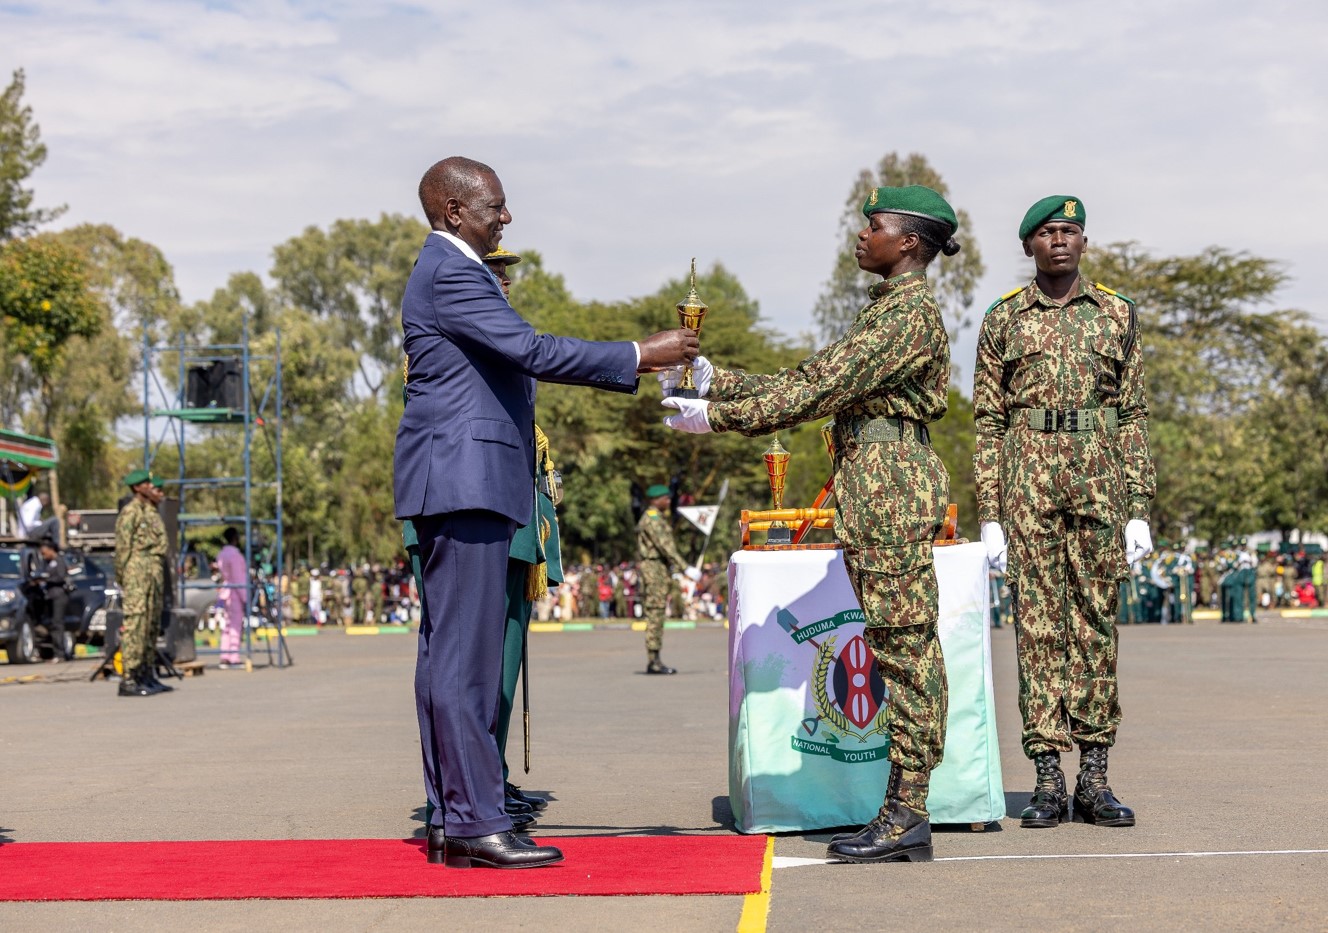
[807, 748]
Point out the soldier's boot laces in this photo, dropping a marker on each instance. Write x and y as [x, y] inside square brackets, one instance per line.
[1093, 800]
[1050, 804]
[900, 832]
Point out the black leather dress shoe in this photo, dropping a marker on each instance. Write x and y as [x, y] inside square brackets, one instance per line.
[434, 846]
[530, 800]
[522, 821]
[501, 850]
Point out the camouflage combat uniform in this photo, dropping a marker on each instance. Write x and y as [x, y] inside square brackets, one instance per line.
[140, 553]
[1062, 482]
[657, 555]
[883, 381]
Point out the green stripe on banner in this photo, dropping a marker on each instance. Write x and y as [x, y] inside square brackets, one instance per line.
[859, 756]
[578, 627]
[811, 630]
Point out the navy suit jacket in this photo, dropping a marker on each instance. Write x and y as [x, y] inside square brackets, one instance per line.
[467, 436]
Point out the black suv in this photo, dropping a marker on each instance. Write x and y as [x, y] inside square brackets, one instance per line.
[19, 634]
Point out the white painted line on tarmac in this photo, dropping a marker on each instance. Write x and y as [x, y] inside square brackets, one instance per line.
[996, 858]
[788, 861]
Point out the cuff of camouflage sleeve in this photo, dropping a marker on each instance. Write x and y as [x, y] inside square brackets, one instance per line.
[1139, 508]
[715, 415]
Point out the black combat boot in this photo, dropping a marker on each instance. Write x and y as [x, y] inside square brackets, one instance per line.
[898, 833]
[1093, 800]
[153, 681]
[131, 686]
[1050, 804]
[653, 665]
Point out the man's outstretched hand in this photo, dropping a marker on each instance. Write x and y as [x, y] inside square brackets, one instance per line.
[668, 348]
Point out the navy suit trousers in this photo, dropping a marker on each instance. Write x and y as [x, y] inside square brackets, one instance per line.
[459, 668]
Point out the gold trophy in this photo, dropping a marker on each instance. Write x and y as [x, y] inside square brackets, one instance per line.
[691, 312]
[776, 467]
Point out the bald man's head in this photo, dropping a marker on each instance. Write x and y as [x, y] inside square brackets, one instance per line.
[465, 198]
[456, 177]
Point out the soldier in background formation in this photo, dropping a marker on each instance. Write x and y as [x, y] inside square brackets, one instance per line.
[140, 552]
[658, 560]
[1062, 462]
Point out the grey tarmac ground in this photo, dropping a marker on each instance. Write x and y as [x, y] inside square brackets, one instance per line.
[1223, 750]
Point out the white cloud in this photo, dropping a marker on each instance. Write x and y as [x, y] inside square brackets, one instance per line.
[633, 136]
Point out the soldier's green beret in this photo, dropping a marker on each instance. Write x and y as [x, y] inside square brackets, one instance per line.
[917, 200]
[657, 490]
[136, 477]
[505, 256]
[158, 482]
[1056, 207]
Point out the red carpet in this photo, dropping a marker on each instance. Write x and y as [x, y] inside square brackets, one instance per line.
[188, 871]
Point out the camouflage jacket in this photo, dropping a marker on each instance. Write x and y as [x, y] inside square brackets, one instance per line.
[1034, 353]
[140, 536]
[654, 541]
[894, 360]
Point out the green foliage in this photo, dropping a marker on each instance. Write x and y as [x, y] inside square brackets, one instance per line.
[1224, 372]
[953, 440]
[352, 277]
[953, 278]
[21, 153]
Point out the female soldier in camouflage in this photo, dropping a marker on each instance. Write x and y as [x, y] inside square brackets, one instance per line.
[883, 382]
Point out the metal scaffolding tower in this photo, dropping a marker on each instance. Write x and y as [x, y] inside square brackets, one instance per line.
[174, 414]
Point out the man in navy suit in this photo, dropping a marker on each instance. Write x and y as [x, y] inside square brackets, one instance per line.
[464, 464]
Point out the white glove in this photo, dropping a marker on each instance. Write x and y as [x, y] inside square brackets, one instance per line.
[693, 417]
[994, 539]
[702, 373]
[1138, 540]
[693, 574]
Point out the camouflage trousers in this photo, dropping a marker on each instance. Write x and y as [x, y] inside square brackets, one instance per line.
[142, 616]
[901, 630]
[655, 582]
[1063, 504]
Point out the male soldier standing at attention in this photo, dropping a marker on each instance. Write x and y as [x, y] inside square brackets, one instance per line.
[140, 549]
[658, 556]
[1062, 464]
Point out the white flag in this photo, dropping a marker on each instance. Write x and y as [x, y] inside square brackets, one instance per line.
[702, 516]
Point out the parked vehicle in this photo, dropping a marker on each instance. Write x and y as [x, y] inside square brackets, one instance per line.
[24, 639]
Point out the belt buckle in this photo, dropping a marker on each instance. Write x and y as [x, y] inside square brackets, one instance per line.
[1050, 420]
[1072, 420]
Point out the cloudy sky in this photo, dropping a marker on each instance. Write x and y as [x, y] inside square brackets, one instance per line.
[632, 136]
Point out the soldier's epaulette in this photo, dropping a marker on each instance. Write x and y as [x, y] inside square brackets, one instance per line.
[1001, 300]
[1113, 293]
[652, 512]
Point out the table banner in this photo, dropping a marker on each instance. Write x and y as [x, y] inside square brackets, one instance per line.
[807, 742]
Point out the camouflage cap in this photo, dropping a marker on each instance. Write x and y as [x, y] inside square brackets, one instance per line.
[1055, 207]
[657, 490]
[505, 256]
[135, 477]
[918, 200]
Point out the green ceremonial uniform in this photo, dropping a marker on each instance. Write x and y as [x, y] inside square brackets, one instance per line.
[140, 553]
[534, 545]
[1062, 462]
[657, 556]
[883, 381]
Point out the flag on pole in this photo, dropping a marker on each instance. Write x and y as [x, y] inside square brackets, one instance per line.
[702, 516]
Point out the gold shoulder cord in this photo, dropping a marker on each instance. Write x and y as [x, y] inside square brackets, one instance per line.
[537, 577]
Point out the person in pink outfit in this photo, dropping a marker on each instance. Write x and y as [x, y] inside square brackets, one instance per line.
[234, 572]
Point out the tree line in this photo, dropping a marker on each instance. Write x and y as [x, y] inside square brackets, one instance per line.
[1237, 387]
